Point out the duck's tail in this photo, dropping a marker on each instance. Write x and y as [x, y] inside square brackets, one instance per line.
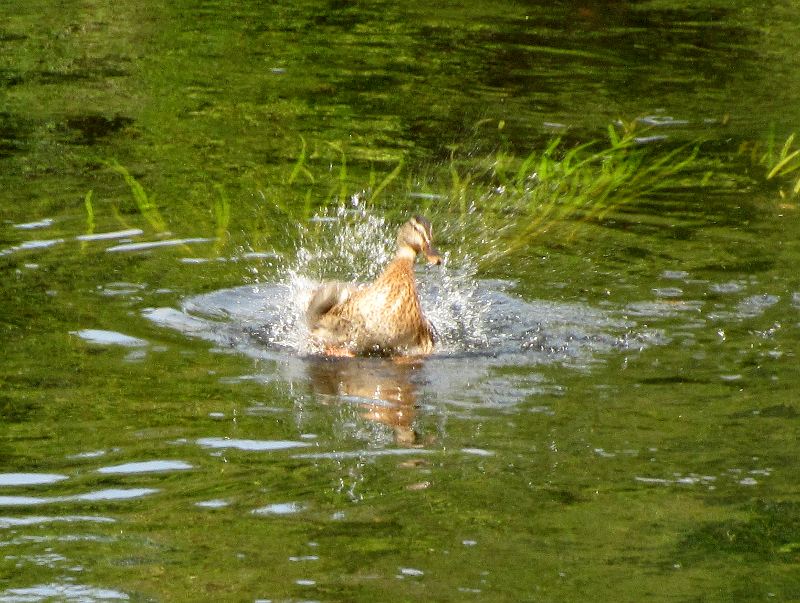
[326, 297]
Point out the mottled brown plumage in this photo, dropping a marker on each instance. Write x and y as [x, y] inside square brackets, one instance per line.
[383, 317]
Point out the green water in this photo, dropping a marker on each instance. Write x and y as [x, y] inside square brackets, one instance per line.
[618, 418]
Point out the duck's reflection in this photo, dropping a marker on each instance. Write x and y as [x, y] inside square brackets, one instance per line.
[383, 389]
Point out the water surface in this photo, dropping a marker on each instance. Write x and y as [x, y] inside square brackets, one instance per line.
[611, 410]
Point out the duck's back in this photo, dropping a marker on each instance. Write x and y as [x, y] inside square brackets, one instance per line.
[382, 317]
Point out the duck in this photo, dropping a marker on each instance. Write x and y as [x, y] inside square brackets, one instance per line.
[383, 317]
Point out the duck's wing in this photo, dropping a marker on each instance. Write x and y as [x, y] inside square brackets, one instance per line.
[325, 298]
[426, 337]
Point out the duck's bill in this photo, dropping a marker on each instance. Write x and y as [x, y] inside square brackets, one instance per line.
[433, 256]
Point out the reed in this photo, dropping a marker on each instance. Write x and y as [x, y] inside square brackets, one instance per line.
[90, 224]
[147, 207]
[222, 215]
[783, 165]
[780, 163]
[521, 199]
[495, 203]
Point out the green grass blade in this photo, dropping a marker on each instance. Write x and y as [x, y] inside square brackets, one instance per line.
[222, 216]
[779, 167]
[386, 181]
[87, 203]
[147, 208]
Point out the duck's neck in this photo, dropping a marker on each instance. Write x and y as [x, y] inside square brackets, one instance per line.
[405, 253]
[401, 268]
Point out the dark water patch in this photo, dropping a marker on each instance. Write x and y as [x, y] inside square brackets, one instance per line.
[771, 533]
[778, 411]
[672, 380]
[14, 133]
[736, 266]
[6, 36]
[83, 70]
[16, 409]
[10, 78]
[91, 127]
[59, 78]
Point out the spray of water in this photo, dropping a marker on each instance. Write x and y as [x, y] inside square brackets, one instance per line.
[354, 245]
[472, 317]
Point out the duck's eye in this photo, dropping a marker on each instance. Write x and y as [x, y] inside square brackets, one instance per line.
[422, 231]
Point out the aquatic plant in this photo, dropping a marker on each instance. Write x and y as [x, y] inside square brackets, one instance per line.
[783, 164]
[147, 207]
[493, 203]
[520, 199]
[222, 214]
[87, 203]
[90, 225]
[774, 163]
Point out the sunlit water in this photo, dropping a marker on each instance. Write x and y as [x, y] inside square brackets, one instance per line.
[503, 358]
[481, 325]
[611, 416]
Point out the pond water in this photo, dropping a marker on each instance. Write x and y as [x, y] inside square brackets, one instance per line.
[611, 410]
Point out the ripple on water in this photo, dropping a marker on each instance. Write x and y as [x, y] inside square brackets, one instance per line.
[661, 308]
[106, 236]
[31, 245]
[29, 479]
[287, 508]
[668, 292]
[411, 571]
[755, 305]
[356, 454]
[146, 245]
[61, 592]
[44, 223]
[102, 337]
[251, 445]
[121, 289]
[675, 275]
[727, 288]
[89, 454]
[98, 495]
[33, 520]
[146, 467]
[212, 504]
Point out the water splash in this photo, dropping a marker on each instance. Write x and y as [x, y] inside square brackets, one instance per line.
[353, 245]
[472, 317]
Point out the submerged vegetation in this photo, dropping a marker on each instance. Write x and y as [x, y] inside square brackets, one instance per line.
[781, 162]
[563, 184]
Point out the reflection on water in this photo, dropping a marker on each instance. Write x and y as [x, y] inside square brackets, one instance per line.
[61, 592]
[29, 479]
[99, 495]
[251, 445]
[145, 467]
[279, 509]
[638, 381]
[483, 329]
[101, 337]
[35, 520]
[383, 390]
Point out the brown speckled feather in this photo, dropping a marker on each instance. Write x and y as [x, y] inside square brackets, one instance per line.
[384, 317]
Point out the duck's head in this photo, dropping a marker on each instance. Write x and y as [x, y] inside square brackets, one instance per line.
[416, 236]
